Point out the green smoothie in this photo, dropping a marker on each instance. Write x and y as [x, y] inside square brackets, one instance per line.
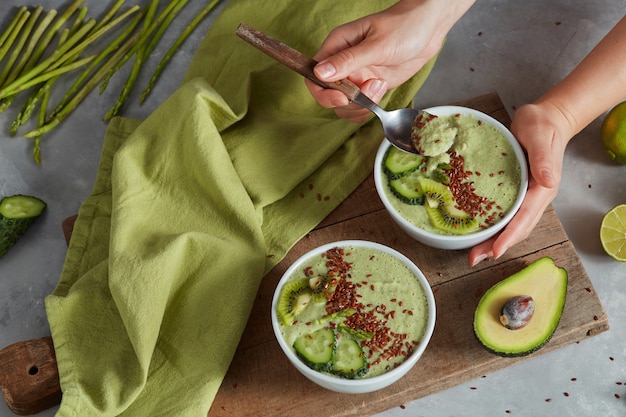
[370, 297]
[473, 160]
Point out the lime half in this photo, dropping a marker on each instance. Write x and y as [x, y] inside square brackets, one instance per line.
[613, 232]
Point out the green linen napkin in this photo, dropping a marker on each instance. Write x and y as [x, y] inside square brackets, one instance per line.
[192, 206]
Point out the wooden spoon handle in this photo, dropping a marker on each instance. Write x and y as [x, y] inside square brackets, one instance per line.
[293, 59]
[29, 376]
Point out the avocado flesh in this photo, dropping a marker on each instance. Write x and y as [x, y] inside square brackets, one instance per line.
[542, 280]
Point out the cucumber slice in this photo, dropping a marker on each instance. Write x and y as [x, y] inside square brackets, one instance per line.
[349, 361]
[406, 188]
[17, 213]
[316, 349]
[398, 163]
[21, 207]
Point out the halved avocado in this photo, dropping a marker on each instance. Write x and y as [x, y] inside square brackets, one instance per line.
[546, 283]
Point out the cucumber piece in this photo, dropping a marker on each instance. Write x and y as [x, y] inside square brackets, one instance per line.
[349, 361]
[398, 163]
[17, 213]
[407, 188]
[316, 349]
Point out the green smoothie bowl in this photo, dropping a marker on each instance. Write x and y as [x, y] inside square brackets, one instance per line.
[353, 316]
[465, 186]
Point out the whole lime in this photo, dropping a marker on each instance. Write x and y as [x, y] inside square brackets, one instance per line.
[613, 133]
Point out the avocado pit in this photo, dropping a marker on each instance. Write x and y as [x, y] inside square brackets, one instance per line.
[517, 312]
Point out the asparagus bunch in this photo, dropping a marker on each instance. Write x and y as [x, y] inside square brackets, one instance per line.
[40, 46]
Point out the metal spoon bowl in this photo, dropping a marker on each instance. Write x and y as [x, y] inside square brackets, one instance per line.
[397, 124]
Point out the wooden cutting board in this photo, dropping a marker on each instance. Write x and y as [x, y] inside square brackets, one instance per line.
[261, 382]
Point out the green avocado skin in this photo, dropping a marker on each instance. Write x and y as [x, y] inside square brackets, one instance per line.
[514, 355]
[13, 228]
[558, 273]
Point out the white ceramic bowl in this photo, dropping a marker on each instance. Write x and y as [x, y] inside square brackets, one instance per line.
[356, 386]
[452, 242]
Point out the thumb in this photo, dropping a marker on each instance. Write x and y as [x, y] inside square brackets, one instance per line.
[539, 139]
[544, 163]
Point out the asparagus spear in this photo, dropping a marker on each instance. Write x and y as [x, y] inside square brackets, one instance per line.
[78, 22]
[11, 40]
[12, 31]
[40, 122]
[27, 109]
[142, 54]
[170, 52]
[110, 13]
[7, 32]
[150, 13]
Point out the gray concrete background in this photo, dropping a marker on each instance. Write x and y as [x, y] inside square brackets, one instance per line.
[517, 49]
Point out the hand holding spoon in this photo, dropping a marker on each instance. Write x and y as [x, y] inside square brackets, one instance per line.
[397, 124]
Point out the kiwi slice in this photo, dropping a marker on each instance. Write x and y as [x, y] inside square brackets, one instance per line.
[293, 298]
[441, 211]
[435, 192]
[449, 219]
[320, 287]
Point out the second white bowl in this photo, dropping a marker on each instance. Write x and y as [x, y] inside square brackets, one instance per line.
[443, 241]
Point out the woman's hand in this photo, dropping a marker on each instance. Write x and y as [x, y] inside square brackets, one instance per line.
[541, 130]
[381, 51]
[545, 127]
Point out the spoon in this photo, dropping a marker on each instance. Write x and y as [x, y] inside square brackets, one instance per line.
[397, 124]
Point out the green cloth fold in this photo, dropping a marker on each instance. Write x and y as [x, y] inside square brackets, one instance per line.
[192, 206]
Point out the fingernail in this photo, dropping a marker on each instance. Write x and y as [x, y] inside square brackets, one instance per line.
[325, 70]
[546, 174]
[337, 103]
[377, 88]
[479, 259]
[502, 252]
